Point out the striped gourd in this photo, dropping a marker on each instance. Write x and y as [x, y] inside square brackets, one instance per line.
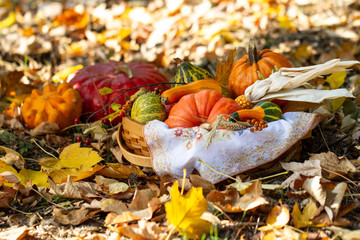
[263, 111]
[148, 107]
[272, 111]
[187, 73]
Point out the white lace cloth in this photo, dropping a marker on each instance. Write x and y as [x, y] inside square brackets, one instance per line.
[230, 152]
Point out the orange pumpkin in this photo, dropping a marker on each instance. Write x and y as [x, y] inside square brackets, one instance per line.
[257, 65]
[201, 107]
[59, 105]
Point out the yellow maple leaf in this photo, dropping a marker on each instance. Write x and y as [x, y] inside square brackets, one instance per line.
[38, 178]
[184, 212]
[302, 219]
[72, 161]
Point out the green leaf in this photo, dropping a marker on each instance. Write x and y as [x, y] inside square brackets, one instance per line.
[116, 107]
[105, 91]
[7, 137]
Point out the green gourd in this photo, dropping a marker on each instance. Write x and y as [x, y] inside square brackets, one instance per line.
[148, 107]
[187, 73]
[263, 111]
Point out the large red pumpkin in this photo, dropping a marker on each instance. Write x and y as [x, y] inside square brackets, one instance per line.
[114, 75]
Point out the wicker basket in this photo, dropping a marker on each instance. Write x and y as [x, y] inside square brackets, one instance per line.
[130, 138]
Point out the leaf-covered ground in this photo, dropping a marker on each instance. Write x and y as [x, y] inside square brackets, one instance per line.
[312, 194]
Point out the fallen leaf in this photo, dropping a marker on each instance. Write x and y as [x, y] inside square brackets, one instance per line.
[12, 158]
[143, 230]
[113, 205]
[278, 217]
[308, 168]
[351, 235]
[74, 190]
[184, 212]
[230, 201]
[74, 217]
[83, 175]
[132, 215]
[13, 111]
[336, 79]
[110, 185]
[314, 188]
[333, 165]
[7, 195]
[285, 233]
[141, 199]
[339, 192]
[38, 178]
[118, 170]
[16, 234]
[44, 128]
[303, 219]
[72, 161]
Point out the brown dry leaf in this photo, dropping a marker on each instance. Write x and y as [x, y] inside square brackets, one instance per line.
[7, 195]
[143, 230]
[118, 170]
[74, 190]
[131, 215]
[12, 158]
[110, 185]
[155, 189]
[44, 128]
[278, 217]
[141, 199]
[314, 188]
[9, 176]
[74, 217]
[113, 205]
[16, 234]
[224, 66]
[333, 164]
[328, 195]
[308, 168]
[198, 181]
[117, 153]
[231, 201]
[13, 111]
[285, 233]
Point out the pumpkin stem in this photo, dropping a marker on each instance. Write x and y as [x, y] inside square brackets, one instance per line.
[178, 61]
[252, 52]
[122, 68]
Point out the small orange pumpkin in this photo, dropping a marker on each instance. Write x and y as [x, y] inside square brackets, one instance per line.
[60, 105]
[257, 65]
[201, 107]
